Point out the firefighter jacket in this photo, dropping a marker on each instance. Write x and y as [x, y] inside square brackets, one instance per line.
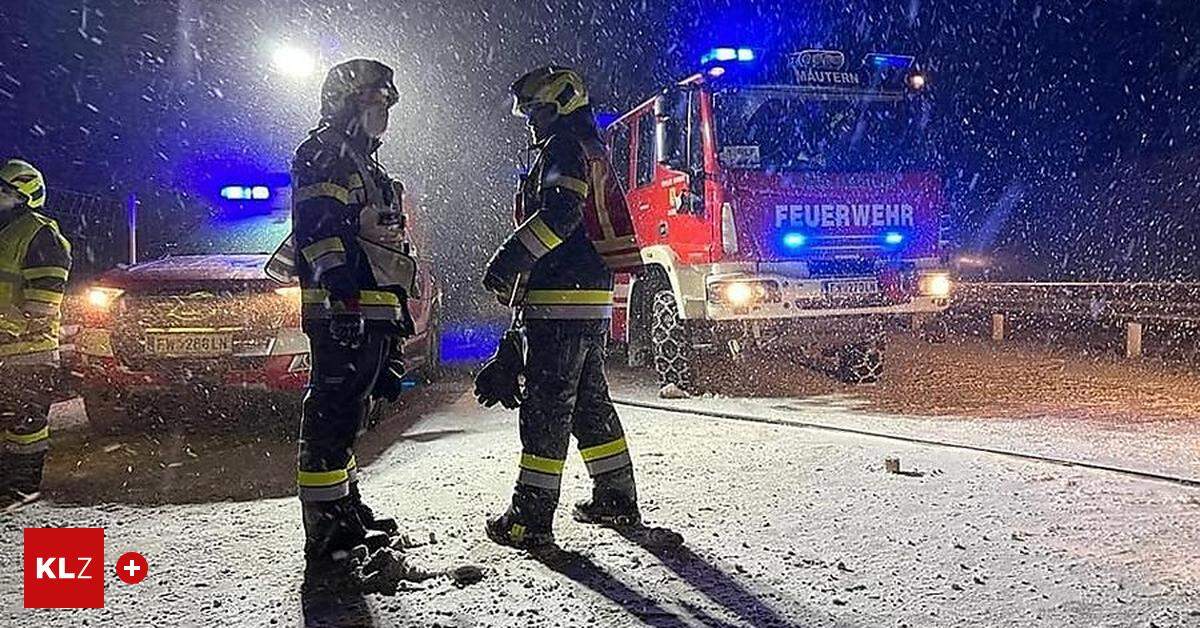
[35, 260]
[347, 247]
[573, 231]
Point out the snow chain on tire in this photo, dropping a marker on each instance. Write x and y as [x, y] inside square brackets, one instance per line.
[672, 350]
[860, 364]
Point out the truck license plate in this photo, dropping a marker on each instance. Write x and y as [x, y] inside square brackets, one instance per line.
[851, 288]
[178, 345]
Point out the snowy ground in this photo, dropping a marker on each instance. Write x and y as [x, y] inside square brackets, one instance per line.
[784, 526]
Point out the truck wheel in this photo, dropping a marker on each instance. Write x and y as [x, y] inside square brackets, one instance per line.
[107, 412]
[860, 364]
[672, 349]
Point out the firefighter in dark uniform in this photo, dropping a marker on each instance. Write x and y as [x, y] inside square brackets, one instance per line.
[34, 262]
[551, 271]
[346, 221]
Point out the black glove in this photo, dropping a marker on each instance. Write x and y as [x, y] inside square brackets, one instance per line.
[497, 380]
[347, 328]
[390, 383]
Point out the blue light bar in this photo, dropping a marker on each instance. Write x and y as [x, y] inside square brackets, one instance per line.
[727, 54]
[246, 193]
[893, 237]
[889, 62]
[794, 240]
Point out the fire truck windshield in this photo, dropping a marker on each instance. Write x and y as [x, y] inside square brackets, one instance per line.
[797, 130]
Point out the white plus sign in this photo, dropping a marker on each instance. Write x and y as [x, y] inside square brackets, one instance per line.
[132, 568]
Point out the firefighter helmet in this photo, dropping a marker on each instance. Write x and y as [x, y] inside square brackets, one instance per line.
[26, 180]
[352, 78]
[551, 85]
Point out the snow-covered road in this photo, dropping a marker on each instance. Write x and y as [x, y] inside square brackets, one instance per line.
[784, 527]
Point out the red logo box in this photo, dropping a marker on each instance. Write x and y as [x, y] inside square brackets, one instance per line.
[64, 567]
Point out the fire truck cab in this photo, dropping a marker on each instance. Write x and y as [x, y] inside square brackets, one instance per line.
[784, 204]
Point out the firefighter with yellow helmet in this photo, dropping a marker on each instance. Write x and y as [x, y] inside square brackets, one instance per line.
[35, 260]
[556, 269]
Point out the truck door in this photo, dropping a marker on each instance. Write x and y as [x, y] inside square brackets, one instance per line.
[667, 195]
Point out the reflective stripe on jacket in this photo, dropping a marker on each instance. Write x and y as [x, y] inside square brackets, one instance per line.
[32, 284]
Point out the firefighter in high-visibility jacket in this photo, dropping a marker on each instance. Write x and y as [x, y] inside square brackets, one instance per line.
[556, 269]
[348, 248]
[34, 262]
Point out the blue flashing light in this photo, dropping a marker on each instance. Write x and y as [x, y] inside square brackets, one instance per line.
[893, 238]
[727, 54]
[246, 193]
[716, 71]
[890, 62]
[794, 240]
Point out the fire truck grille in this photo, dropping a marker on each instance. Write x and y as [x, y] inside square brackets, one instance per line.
[244, 322]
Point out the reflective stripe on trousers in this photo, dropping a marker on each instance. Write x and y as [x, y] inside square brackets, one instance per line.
[27, 443]
[606, 457]
[540, 472]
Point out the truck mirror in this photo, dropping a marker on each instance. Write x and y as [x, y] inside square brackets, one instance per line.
[667, 107]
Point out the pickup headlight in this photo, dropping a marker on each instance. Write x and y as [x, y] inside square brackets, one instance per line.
[937, 285]
[101, 298]
[743, 293]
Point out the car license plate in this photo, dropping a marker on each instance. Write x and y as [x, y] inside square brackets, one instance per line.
[179, 345]
[851, 288]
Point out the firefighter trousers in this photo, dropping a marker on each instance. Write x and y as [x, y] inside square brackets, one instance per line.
[566, 394]
[25, 428]
[335, 409]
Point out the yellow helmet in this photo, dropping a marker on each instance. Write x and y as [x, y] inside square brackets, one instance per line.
[26, 180]
[550, 85]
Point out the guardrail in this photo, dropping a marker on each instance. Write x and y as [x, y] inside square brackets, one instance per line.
[1133, 305]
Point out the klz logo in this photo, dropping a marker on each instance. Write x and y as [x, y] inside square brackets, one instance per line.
[64, 568]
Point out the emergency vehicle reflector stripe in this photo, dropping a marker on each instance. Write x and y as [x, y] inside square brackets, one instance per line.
[43, 272]
[607, 457]
[573, 297]
[540, 472]
[45, 296]
[319, 190]
[577, 186]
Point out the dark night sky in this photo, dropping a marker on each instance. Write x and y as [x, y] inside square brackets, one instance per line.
[1044, 106]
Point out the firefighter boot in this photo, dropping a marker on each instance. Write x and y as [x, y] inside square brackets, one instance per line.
[386, 525]
[508, 530]
[613, 502]
[332, 531]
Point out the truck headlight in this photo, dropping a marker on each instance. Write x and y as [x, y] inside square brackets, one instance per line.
[936, 285]
[743, 293]
[101, 298]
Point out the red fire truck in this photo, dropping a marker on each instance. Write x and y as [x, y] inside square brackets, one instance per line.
[784, 204]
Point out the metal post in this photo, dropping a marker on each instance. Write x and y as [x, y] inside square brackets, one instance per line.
[1133, 340]
[131, 203]
[998, 327]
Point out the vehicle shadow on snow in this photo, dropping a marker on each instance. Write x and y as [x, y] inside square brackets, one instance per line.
[188, 464]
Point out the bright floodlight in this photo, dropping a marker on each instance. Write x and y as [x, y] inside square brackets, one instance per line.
[292, 61]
